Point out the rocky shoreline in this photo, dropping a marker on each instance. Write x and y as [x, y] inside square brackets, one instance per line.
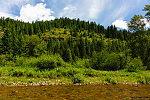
[66, 84]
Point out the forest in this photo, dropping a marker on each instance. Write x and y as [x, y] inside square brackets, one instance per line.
[74, 48]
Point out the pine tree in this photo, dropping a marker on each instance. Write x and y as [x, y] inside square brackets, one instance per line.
[68, 56]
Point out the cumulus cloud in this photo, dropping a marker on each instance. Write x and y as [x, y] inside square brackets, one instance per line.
[6, 7]
[29, 13]
[85, 9]
[69, 11]
[3, 14]
[101, 11]
[120, 24]
[123, 24]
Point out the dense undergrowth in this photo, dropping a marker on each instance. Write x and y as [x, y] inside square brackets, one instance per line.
[53, 69]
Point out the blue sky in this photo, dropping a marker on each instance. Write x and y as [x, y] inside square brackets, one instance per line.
[105, 12]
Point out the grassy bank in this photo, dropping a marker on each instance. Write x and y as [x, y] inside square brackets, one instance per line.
[68, 75]
[52, 69]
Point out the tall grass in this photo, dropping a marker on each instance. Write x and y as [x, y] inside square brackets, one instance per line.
[51, 67]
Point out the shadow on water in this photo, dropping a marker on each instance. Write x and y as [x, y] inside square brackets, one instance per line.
[74, 92]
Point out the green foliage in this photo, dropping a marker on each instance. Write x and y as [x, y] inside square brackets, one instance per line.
[82, 63]
[140, 47]
[141, 79]
[110, 79]
[135, 65]
[147, 79]
[35, 46]
[106, 61]
[46, 63]
[6, 61]
[68, 56]
[78, 78]
[147, 8]
[136, 24]
[40, 49]
[42, 62]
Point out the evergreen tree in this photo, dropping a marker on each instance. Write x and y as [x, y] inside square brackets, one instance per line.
[68, 55]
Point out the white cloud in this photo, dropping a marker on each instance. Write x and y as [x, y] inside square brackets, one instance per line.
[71, 8]
[29, 13]
[85, 9]
[69, 11]
[120, 24]
[6, 6]
[123, 24]
[3, 14]
[43, 0]
[97, 6]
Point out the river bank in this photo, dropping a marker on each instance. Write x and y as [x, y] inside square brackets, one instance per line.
[69, 75]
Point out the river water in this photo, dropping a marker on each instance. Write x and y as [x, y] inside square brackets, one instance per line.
[76, 92]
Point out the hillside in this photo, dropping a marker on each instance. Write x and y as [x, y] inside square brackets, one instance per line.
[73, 51]
[81, 39]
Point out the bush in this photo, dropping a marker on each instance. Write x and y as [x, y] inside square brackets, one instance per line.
[46, 63]
[82, 63]
[135, 65]
[78, 78]
[5, 61]
[90, 72]
[49, 62]
[106, 61]
[17, 72]
[147, 79]
[42, 62]
[141, 79]
[111, 80]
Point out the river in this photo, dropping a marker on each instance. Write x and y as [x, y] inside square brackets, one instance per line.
[76, 92]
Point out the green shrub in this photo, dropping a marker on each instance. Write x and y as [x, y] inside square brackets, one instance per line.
[5, 61]
[106, 61]
[90, 72]
[141, 79]
[78, 78]
[147, 79]
[42, 62]
[135, 65]
[49, 62]
[82, 63]
[31, 73]
[17, 72]
[46, 63]
[21, 60]
[66, 71]
[26, 61]
[111, 80]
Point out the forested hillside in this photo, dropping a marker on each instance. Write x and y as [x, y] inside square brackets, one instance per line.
[106, 49]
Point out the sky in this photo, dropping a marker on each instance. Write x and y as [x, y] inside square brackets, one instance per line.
[104, 12]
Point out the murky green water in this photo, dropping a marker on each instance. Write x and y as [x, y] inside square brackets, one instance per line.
[86, 92]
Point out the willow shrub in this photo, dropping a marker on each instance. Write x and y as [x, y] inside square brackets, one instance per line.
[135, 65]
[78, 78]
[42, 62]
[108, 61]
